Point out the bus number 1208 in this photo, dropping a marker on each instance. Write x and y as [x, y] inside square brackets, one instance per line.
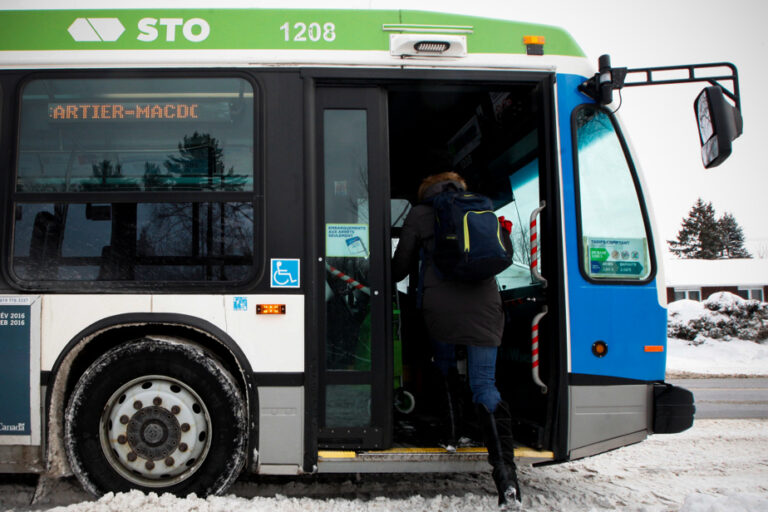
[313, 31]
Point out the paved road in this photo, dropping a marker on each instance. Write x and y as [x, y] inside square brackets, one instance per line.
[728, 398]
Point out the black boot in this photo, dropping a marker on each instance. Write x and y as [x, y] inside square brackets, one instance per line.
[497, 434]
[457, 394]
[449, 433]
[504, 427]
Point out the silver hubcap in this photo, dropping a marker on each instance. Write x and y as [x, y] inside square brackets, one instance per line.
[155, 431]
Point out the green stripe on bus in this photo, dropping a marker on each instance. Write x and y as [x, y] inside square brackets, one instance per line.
[269, 29]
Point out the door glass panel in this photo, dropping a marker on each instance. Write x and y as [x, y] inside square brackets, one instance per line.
[524, 199]
[348, 405]
[614, 235]
[348, 326]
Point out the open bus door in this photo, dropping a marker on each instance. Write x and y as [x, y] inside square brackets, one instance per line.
[374, 146]
[355, 393]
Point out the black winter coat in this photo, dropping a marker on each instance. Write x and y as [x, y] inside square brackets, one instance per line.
[467, 313]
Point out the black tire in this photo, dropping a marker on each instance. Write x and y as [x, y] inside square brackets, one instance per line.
[156, 415]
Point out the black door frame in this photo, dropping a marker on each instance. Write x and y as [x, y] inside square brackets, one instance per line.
[378, 434]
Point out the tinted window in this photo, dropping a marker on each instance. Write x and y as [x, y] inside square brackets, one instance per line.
[123, 150]
[134, 242]
[136, 134]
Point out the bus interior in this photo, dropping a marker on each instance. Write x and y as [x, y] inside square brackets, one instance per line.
[497, 138]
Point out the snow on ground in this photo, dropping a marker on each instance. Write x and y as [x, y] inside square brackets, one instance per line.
[716, 358]
[717, 466]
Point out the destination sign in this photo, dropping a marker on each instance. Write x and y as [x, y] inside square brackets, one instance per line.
[123, 111]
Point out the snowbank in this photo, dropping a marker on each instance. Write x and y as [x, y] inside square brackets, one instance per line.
[722, 315]
[724, 336]
[135, 500]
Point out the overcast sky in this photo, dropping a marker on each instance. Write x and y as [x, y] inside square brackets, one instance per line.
[659, 120]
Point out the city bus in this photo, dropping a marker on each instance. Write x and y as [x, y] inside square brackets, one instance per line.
[198, 211]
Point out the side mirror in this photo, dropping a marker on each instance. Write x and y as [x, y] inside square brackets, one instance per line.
[719, 124]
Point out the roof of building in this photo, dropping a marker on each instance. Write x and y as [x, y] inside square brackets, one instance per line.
[733, 272]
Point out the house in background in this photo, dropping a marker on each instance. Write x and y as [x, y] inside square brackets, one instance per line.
[698, 279]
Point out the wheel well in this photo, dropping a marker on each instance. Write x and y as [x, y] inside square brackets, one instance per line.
[110, 338]
[92, 342]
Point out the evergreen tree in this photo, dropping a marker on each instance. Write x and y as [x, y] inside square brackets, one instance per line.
[699, 237]
[732, 237]
[704, 237]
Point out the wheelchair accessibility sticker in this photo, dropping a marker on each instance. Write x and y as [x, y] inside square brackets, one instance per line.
[285, 273]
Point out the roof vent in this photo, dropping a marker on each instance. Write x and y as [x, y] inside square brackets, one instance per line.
[427, 45]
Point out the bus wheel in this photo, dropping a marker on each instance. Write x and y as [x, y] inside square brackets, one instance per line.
[156, 415]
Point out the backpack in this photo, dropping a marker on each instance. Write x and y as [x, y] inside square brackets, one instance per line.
[470, 244]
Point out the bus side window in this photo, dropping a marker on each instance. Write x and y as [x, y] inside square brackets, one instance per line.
[613, 229]
[113, 149]
[45, 244]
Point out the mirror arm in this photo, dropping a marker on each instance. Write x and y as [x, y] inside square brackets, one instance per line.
[733, 97]
[609, 78]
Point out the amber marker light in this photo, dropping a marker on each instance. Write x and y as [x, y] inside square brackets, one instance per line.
[534, 39]
[534, 45]
[654, 348]
[270, 309]
[599, 348]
